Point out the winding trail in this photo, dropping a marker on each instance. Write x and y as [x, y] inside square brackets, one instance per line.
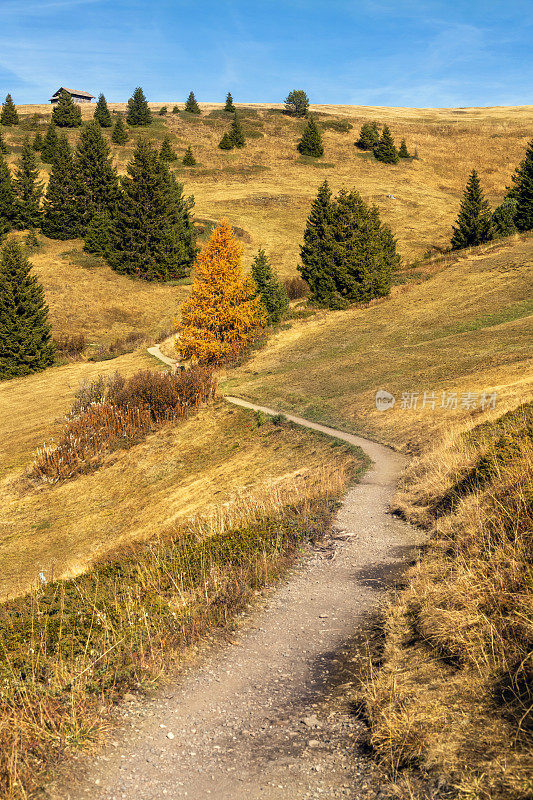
[267, 717]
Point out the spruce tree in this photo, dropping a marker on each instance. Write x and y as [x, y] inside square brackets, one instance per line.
[229, 107]
[138, 111]
[102, 114]
[61, 212]
[316, 253]
[403, 152]
[188, 159]
[474, 223]
[31, 242]
[191, 105]
[97, 182]
[163, 110]
[152, 232]
[4, 149]
[368, 136]
[311, 142]
[297, 103]
[503, 218]
[120, 134]
[271, 291]
[9, 115]
[236, 133]
[166, 152]
[226, 143]
[175, 110]
[66, 113]
[98, 236]
[7, 198]
[348, 255]
[38, 142]
[28, 189]
[522, 191]
[386, 151]
[48, 150]
[25, 342]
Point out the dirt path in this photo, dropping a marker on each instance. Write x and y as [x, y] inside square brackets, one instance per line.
[267, 716]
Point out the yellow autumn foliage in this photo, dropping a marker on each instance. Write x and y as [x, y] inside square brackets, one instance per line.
[223, 309]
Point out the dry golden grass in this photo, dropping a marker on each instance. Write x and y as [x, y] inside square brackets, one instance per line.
[467, 328]
[181, 473]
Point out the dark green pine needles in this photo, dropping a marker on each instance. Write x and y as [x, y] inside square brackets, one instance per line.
[138, 111]
[25, 342]
[66, 113]
[368, 136]
[4, 149]
[522, 192]
[98, 236]
[229, 107]
[120, 134]
[311, 142]
[97, 182]
[152, 232]
[385, 150]
[188, 159]
[28, 189]
[474, 222]
[7, 199]
[271, 291]
[348, 255]
[236, 133]
[166, 152]
[61, 213]
[9, 115]
[102, 114]
[191, 105]
[48, 150]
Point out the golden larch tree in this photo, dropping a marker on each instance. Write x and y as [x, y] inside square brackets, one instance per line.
[223, 309]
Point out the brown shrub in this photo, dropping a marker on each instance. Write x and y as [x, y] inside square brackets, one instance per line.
[296, 288]
[70, 345]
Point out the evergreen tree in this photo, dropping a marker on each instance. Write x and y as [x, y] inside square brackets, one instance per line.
[348, 255]
[97, 183]
[403, 152]
[9, 115]
[271, 291]
[474, 223]
[236, 133]
[191, 105]
[385, 150]
[28, 189]
[226, 143]
[31, 242]
[61, 217]
[102, 114]
[166, 152]
[163, 110]
[522, 191]
[504, 216]
[25, 342]
[368, 136]
[188, 159]
[311, 142]
[223, 309]
[98, 236]
[316, 253]
[38, 142]
[297, 103]
[66, 113]
[7, 199]
[175, 110]
[152, 232]
[229, 107]
[4, 149]
[138, 111]
[120, 134]
[48, 150]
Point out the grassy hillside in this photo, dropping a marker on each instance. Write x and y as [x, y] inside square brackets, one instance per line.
[265, 190]
[467, 328]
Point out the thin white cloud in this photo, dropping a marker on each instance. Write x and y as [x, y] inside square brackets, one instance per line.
[35, 8]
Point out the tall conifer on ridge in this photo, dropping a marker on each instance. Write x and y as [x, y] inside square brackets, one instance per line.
[9, 114]
[474, 222]
[28, 189]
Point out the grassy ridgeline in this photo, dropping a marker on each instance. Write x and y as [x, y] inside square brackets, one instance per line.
[71, 649]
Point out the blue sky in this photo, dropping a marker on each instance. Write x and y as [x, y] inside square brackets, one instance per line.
[365, 52]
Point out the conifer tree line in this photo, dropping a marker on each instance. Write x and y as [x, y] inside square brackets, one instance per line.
[382, 145]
